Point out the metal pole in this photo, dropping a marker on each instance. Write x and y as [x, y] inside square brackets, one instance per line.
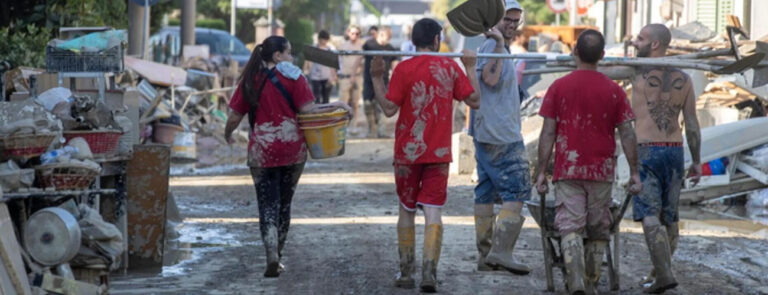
[135, 25]
[539, 56]
[145, 32]
[557, 19]
[188, 16]
[232, 12]
[574, 12]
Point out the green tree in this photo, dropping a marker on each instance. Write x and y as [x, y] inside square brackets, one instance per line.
[24, 46]
[537, 13]
[88, 13]
[335, 13]
[440, 8]
[244, 19]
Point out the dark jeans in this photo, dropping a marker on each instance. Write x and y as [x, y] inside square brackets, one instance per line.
[321, 89]
[274, 191]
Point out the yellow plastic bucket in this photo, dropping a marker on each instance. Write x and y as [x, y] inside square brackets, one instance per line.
[326, 141]
[336, 114]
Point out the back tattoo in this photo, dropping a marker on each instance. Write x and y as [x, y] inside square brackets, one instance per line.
[660, 86]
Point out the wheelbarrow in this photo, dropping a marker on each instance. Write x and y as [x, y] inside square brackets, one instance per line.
[553, 256]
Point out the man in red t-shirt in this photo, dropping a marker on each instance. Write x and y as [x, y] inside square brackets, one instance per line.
[423, 89]
[581, 111]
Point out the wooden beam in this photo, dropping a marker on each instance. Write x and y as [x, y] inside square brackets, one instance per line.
[700, 194]
[753, 172]
[13, 280]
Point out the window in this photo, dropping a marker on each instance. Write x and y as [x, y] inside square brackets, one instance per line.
[712, 13]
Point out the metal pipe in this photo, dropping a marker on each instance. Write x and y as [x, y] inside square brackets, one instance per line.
[542, 56]
[562, 58]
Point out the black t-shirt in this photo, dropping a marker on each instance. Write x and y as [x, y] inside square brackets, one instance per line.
[371, 44]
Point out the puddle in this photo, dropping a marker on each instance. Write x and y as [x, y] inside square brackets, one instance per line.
[193, 242]
[193, 169]
[204, 208]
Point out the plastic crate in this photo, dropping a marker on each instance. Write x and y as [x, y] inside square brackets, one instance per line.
[60, 60]
[100, 142]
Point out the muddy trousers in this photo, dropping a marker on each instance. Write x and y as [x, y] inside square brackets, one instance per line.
[274, 191]
[373, 116]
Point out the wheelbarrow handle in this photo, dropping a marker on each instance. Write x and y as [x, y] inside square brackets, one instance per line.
[543, 210]
[624, 206]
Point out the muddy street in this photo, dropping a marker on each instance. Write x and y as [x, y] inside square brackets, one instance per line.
[343, 240]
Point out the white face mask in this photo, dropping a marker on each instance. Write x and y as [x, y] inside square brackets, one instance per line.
[289, 70]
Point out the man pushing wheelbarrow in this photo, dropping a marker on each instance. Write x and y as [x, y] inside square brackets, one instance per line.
[581, 112]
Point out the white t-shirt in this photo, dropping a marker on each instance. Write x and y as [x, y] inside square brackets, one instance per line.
[407, 46]
[318, 72]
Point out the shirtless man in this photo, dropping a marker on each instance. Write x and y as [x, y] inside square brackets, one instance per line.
[659, 95]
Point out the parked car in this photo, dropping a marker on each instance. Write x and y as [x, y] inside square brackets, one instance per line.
[165, 46]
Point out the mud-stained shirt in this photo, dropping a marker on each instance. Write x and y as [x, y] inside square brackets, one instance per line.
[587, 107]
[275, 138]
[424, 88]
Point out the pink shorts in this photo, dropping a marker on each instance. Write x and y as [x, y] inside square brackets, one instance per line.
[584, 207]
[421, 185]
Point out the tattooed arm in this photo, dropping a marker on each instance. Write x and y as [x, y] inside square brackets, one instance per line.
[492, 69]
[692, 134]
[380, 89]
[546, 142]
[629, 145]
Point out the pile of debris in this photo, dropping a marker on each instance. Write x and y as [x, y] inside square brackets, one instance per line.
[178, 104]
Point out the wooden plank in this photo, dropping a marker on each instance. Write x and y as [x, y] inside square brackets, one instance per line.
[157, 73]
[703, 193]
[753, 172]
[14, 280]
[147, 193]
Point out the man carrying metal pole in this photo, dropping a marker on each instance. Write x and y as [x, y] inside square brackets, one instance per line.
[581, 112]
[502, 167]
[659, 95]
[423, 89]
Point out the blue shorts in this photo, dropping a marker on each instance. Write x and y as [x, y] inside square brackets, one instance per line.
[661, 171]
[502, 171]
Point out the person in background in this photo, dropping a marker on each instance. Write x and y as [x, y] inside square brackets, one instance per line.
[350, 73]
[321, 77]
[371, 107]
[407, 45]
[518, 43]
[271, 92]
[373, 32]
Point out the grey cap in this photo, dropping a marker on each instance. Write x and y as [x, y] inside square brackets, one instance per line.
[512, 4]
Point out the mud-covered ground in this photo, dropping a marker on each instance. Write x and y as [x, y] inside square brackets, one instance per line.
[343, 240]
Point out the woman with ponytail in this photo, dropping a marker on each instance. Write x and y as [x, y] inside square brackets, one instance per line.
[271, 92]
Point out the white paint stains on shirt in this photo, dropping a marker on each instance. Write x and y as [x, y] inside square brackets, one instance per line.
[287, 131]
[266, 134]
[422, 97]
[441, 152]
